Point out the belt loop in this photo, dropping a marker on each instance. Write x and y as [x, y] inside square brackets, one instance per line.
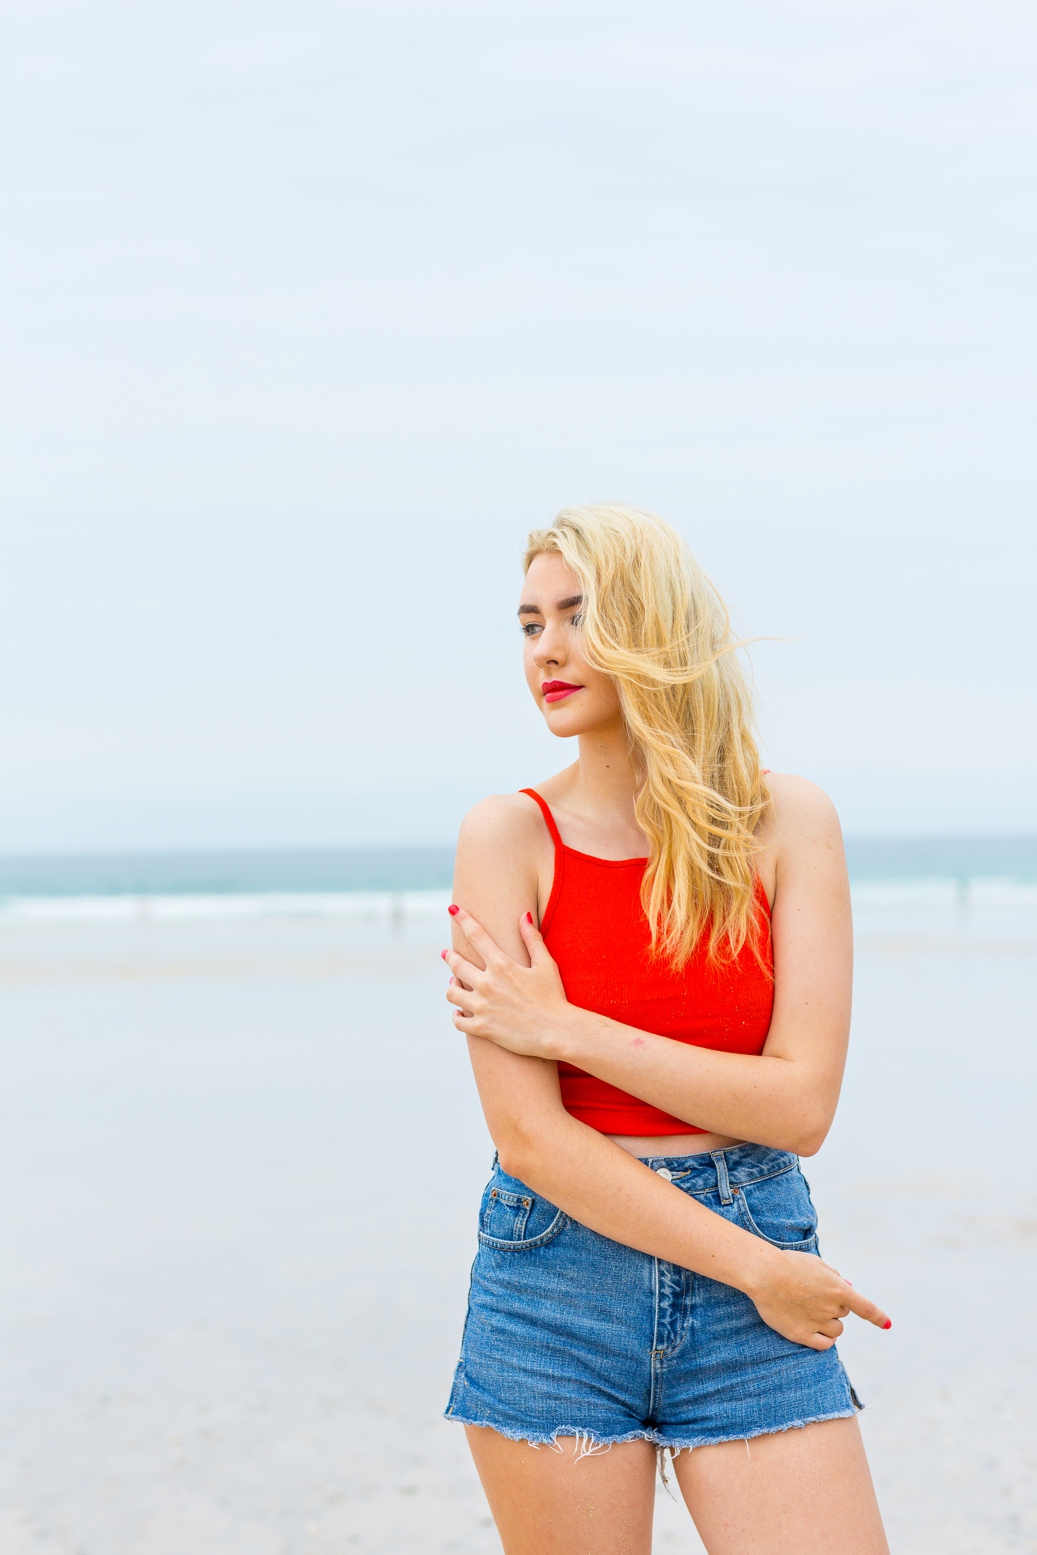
[723, 1181]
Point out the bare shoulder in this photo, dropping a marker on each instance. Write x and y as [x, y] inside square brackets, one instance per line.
[802, 822]
[503, 843]
[502, 822]
[501, 858]
[797, 805]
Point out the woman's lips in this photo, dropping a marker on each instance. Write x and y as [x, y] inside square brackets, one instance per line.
[555, 690]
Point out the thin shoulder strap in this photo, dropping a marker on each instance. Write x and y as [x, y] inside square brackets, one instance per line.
[545, 809]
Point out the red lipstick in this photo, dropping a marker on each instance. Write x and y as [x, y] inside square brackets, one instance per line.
[556, 690]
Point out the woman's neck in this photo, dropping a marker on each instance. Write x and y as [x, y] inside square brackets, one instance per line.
[604, 782]
[593, 799]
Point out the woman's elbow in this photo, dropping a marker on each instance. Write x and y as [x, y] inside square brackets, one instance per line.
[812, 1134]
[520, 1147]
[512, 1160]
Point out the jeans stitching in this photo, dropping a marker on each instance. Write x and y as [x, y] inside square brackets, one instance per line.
[741, 1182]
[753, 1228]
[557, 1225]
[521, 1203]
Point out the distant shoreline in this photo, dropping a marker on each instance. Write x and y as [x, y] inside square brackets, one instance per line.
[932, 863]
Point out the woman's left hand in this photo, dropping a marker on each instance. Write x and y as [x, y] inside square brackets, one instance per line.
[520, 1008]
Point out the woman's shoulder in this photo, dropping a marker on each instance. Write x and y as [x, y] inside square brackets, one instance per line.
[503, 848]
[796, 798]
[800, 815]
[502, 821]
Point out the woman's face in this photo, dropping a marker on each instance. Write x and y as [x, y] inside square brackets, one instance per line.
[573, 698]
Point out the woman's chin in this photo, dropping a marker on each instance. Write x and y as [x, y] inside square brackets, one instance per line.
[561, 723]
[566, 723]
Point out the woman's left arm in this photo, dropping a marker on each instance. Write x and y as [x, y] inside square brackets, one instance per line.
[787, 1096]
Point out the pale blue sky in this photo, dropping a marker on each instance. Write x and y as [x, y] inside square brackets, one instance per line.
[311, 310]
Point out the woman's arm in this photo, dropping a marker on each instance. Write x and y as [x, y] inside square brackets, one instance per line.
[785, 1097]
[580, 1170]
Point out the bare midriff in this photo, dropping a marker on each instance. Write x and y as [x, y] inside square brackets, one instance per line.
[671, 1144]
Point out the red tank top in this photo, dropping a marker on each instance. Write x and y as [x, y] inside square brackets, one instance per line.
[597, 932]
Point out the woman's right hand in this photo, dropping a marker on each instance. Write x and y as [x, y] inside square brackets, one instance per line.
[805, 1299]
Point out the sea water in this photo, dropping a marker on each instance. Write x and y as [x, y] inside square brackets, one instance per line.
[230, 1311]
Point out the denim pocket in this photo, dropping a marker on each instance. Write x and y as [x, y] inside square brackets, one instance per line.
[780, 1210]
[511, 1216]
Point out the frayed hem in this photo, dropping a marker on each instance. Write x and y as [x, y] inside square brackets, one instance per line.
[751, 1436]
[590, 1443]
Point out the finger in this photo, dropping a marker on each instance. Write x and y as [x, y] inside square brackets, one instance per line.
[466, 971]
[476, 934]
[866, 1309]
[833, 1328]
[817, 1342]
[457, 994]
[533, 939]
[455, 984]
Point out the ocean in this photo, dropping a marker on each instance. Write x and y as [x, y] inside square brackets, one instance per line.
[240, 1159]
[362, 882]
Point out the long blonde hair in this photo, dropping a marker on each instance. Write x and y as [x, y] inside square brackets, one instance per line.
[654, 623]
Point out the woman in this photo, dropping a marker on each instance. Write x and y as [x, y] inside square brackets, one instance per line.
[652, 963]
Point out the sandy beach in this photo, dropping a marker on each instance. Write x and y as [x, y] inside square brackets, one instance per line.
[230, 1315]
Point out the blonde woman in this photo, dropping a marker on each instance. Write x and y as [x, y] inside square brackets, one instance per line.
[652, 962]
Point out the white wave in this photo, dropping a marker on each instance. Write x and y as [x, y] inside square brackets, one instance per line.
[385, 905]
[905, 895]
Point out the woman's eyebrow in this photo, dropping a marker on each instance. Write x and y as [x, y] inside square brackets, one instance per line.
[563, 604]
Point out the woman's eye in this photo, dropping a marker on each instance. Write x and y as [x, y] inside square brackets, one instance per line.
[531, 628]
[576, 619]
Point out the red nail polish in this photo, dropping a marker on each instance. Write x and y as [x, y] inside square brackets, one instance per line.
[529, 917]
[453, 911]
[888, 1323]
[442, 955]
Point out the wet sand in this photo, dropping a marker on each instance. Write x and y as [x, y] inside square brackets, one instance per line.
[230, 1316]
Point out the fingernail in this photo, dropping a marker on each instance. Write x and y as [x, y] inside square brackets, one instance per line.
[888, 1323]
[453, 911]
[442, 955]
[529, 917]
[849, 1282]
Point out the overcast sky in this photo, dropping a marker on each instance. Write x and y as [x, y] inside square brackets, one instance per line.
[311, 310]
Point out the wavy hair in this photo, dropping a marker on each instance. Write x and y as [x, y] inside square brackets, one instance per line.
[654, 623]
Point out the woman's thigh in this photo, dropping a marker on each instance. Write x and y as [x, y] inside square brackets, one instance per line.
[806, 1491]
[567, 1502]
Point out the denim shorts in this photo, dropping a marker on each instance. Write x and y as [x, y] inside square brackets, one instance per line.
[571, 1334]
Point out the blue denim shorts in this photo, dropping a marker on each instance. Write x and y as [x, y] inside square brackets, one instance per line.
[571, 1334]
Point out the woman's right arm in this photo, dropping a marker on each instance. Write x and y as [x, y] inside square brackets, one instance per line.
[581, 1171]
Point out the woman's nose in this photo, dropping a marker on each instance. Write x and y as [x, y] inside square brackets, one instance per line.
[547, 651]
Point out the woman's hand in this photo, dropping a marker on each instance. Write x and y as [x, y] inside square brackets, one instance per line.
[517, 1007]
[805, 1299]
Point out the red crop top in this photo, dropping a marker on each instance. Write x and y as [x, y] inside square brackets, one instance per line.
[597, 932]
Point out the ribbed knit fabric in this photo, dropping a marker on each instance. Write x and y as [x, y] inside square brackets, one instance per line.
[596, 930]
